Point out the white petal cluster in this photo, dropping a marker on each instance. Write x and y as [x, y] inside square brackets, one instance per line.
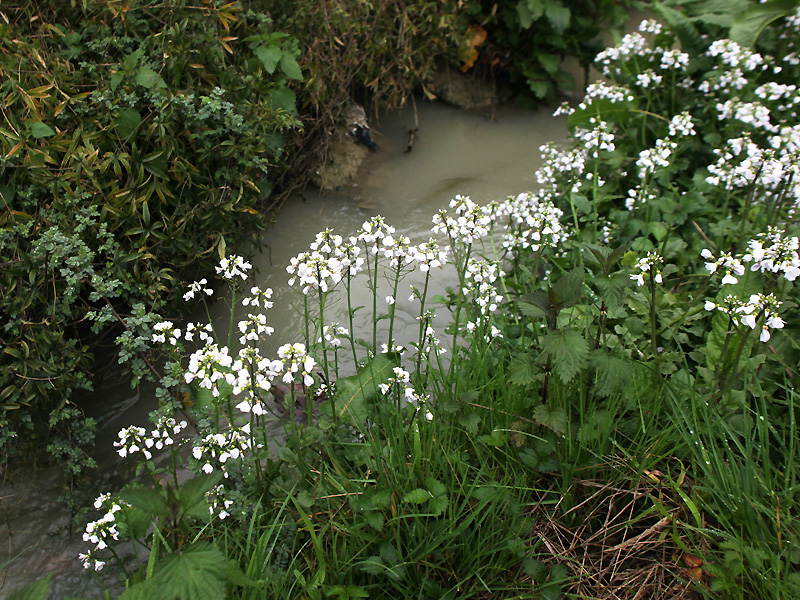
[166, 331]
[258, 298]
[644, 265]
[198, 287]
[429, 255]
[333, 334]
[218, 504]
[773, 252]
[232, 267]
[209, 364]
[216, 449]
[732, 266]
[101, 531]
[759, 307]
[469, 223]
[534, 222]
[253, 327]
[293, 361]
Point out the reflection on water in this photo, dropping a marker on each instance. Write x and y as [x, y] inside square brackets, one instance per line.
[454, 152]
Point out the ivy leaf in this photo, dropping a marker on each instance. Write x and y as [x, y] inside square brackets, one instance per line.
[568, 350]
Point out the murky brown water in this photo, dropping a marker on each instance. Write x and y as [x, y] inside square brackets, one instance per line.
[454, 152]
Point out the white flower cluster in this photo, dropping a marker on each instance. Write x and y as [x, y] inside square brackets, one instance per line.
[233, 266]
[294, 360]
[373, 231]
[252, 327]
[134, 439]
[534, 223]
[560, 165]
[681, 125]
[750, 312]
[429, 255]
[333, 334]
[253, 373]
[644, 265]
[653, 158]
[258, 298]
[218, 504]
[633, 44]
[479, 286]
[733, 55]
[100, 532]
[216, 449]
[599, 138]
[198, 287]
[773, 252]
[648, 78]
[770, 252]
[165, 331]
[470, 222]
[402, 378]
[314, 269]
[604, 91]
[650, 26]
[639, 196]
[753, 114]
[209, 364]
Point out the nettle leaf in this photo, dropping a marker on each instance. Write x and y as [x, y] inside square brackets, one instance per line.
[352, 393]
[569, 352]
[192, 493]
[558, 15]
[129, 119]
[290, 67]
[149, 500]
[522, 370]
[198, 572]
[552, 418]
[147, 77]
[269, 57]
[417, 496]
[612, 374]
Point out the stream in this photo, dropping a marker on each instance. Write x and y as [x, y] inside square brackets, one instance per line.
[454, 152]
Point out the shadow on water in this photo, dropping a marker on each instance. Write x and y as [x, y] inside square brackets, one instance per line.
[454, 152]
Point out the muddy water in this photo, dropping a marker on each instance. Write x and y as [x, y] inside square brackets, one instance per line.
[454, 152]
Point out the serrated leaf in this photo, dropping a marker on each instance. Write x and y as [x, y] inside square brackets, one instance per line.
[417, 496]
[552, 418]
[197, 573]
[374, 519]
[282, 98]
[352, 393]
[128, 121]
[143, 590]
[469, 422]
[192, 493]
[38, 590]
[569, 352]
[269, 57]
[146, 77]
[522, 370]
[137, 521]
[290, 67]
[612, 374]
[40, 130]
[568, 290]
[435, 487]
[558, 15]
[149, 500]
[437, 506]
[535, 569]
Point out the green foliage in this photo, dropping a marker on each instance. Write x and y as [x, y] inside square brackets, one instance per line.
[136, 144]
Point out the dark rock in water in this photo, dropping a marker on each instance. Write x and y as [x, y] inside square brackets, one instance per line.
[462, 90]
[348, 149]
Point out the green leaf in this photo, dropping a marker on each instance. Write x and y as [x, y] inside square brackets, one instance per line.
[569, 352]
[197, 573]
[192, 493]
[353, 392]
[552, 418]
[290, 67]
[128, 121]
[269, 57]
[147, 499]
[38, 590]
[749, 24]
[558, 15]
[147, 77]
[40, 130]
[437, 506]
[417, 496]
[282, 98]
[612, 374]
[143, 590]
[535, 569]
[137, 521]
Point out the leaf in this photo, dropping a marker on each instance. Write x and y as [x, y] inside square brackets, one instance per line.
[558, 15]
[149, 500]
[38, 590]
[417, 496]
[127, 122]
[290, 67]
[353, 392]
[269, 57]
[749, 24]
[343, 592]
[552, 418]
[192, 493]
[535, 569]
[146, 77]
[197, 573]
[612, 374]
[39, 130]
[282, 98]
[569, 352]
